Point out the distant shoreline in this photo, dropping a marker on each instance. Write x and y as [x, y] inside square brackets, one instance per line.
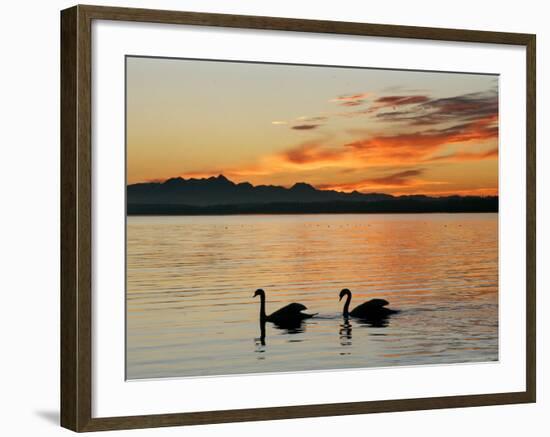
[432, 205]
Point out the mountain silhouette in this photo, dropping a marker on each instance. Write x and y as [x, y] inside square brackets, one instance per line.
[219, 195]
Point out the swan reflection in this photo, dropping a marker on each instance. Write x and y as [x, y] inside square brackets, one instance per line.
[375, 322]
[345, 332]
[260, 341]
[290, 327]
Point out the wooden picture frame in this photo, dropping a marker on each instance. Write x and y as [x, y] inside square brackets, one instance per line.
[76, 217]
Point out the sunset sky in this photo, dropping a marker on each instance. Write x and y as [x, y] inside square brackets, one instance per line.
[398, 132]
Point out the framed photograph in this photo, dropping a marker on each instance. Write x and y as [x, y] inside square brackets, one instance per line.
[259, 211]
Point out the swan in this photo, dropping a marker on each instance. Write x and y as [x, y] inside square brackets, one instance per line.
[288, 315]
[372, 309]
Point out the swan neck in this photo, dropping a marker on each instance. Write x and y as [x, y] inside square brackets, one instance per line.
[346, 305]
[262, 307]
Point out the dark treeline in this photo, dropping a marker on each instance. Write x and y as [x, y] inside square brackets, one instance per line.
[395, 205]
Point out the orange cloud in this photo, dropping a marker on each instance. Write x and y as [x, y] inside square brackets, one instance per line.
[465, 156]
[309, 152]
[398, 180]
[474, 119]
[420, 144]
[351, 99]
[379, 150]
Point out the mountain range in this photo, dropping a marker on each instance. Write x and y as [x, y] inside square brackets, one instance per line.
[219, 195]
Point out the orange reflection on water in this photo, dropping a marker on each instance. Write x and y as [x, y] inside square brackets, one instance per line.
[191, 279]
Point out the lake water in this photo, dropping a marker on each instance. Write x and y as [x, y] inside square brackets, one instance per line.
[190, 309]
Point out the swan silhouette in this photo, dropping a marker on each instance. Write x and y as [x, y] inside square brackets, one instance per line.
[288, 316]
[374, 309]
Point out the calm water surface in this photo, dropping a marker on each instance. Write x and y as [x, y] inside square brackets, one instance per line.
[191, 280]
